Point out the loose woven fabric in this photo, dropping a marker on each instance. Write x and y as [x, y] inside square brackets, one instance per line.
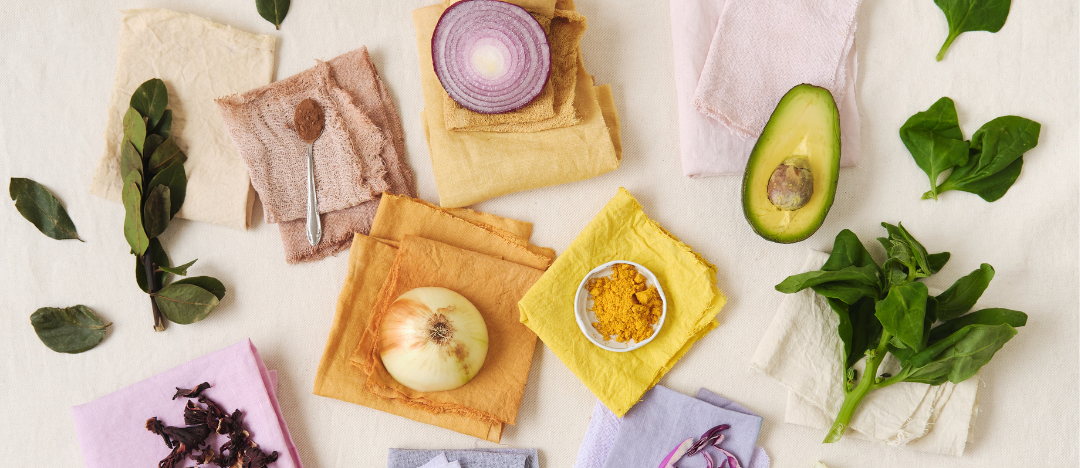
[763, 49]
[473, 458]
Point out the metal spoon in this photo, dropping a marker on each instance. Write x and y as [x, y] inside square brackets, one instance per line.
[308, 121]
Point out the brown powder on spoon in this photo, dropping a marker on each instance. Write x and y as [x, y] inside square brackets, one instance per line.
[308, 120]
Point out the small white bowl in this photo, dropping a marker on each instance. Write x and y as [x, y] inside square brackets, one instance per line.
[585, 317]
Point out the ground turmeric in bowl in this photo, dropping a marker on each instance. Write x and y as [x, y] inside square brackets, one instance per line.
[625, 306]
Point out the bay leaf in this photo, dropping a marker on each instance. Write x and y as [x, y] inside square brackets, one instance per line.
[273, 11]
[131, 164]
[208, 283]
[69, 330]
[185, 303]
[133, 222]
[39, 206]
[175, 178]
[165, 154]
[135, 128]
[156, 211]
[180, 270]
[151, 99]
[159, 257]
[164, 126]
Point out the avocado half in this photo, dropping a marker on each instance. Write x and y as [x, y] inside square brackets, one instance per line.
[790, 179]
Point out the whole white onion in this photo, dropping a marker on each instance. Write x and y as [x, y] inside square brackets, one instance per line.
[433, 339]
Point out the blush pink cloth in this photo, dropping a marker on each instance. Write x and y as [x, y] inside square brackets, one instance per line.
[112, 429]
[709, 147]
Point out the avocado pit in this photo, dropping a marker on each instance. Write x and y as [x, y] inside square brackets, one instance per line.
[791, 184]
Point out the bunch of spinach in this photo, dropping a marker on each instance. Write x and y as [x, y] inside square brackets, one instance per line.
[972, 15]
[987, 165]
[886, 309]
[155, 184]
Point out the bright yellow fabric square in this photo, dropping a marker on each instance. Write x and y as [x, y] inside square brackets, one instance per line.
[622, 231]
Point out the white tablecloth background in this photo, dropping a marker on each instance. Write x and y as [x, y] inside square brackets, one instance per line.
[58, 60]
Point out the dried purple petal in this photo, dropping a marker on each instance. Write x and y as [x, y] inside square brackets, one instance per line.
[207, 456]
[253, 457]
[185, 393]
[707, 439]
[176, 456]
[154, 425]
[191, 436]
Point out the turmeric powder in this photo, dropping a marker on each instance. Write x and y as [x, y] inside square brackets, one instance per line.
[625, 306]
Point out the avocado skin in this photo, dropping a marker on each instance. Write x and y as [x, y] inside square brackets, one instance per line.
[760, 225]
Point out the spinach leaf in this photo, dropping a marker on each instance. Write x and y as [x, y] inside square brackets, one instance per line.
[962, 295]
[902, 312]
[965, 355]
[867, 275]
[858, 328]
[994, 316]
[998, 148]
[972, 15]
[39, 206]
[273, 11]
[848, 292]
[847, 251]
[934, 139]
[937, 261]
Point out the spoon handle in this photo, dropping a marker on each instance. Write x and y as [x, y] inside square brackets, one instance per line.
[314, 225]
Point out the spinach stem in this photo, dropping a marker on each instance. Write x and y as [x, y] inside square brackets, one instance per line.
[948, 42]
[856, 395]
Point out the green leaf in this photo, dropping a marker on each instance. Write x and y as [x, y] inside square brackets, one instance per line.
[974, 346]
[180, 270]
[156, 212]
[934, 139]
[964, 293]
[902, 312]
[848, 292]
[991, 187]
[131, 164]
[273, 11]
[150, 100]
[937, 261]
[160, 258]
[153, 141]
[69, 330]
[185, 303]
[847, 251]
[39, 206]
[208, 283]
[172, 176]
[166, 154]
[164, 126]
[993, 316]
[133, 223]
[999, 146]
[135, 128]
[972, 15]
[865, 274]
[857, 327]
[898, 234]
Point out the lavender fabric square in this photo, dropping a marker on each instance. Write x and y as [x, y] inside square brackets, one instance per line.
[472, 458]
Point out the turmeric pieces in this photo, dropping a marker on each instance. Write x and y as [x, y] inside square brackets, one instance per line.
[625, 306]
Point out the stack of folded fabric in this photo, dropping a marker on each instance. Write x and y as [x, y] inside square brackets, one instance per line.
[198, 60]
[801, 350]
[485, 258]
[735, 59]
[360, 154]
[663, 419]
[474, 458]
[112, 430]
[570, 132]
[621, 231]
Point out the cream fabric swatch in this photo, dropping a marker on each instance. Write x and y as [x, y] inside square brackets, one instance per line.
[801, 350]
[198, 60]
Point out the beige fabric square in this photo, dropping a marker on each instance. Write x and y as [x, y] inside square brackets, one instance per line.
[198, 60]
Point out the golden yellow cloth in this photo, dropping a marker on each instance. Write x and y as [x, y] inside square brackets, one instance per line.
[554, 107]
[370, 262]
[622, 231]
[471, 167]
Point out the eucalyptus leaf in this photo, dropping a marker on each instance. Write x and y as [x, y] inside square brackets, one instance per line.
[208, 283]
[964, 293]
[131, 164]
[133, 222]
[972, 15]
[156, 212]
[902, 311]
[165, 154]
[69, 330]
[185, 303]
[160, 258]
[135, 128]
[39, 206]
[174, 177]
[993, 316]
[164, 126]
[151, 99]
[273, 11]
[180, 270]
[153, 141]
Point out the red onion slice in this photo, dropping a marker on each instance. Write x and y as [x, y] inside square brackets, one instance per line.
[490, 56]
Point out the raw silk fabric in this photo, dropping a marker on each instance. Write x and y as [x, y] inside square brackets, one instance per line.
[622, 231]
[471, 167]
[112, 429]
[198, 60]
[472, 458]
[802, 351]
[708, 146]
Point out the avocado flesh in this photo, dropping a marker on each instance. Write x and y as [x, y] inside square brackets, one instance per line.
[805, 124]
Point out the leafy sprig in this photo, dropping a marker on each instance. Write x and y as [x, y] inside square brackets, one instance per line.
[972, 15]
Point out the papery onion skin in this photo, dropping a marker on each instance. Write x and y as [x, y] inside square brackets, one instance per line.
[433, 339]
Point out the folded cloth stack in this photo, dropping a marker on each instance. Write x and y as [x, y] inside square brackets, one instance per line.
[663, 419]
[112, 429]
[569, 133]
[621, 231]
[802, 351]
[473, 458]
[360, 154]
[735, 59]
[414, 244]
[198, 60]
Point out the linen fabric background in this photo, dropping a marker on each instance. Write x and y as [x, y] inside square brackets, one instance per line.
[59, 61]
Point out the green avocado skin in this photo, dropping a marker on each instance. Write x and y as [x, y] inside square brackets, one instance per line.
[759, 169]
